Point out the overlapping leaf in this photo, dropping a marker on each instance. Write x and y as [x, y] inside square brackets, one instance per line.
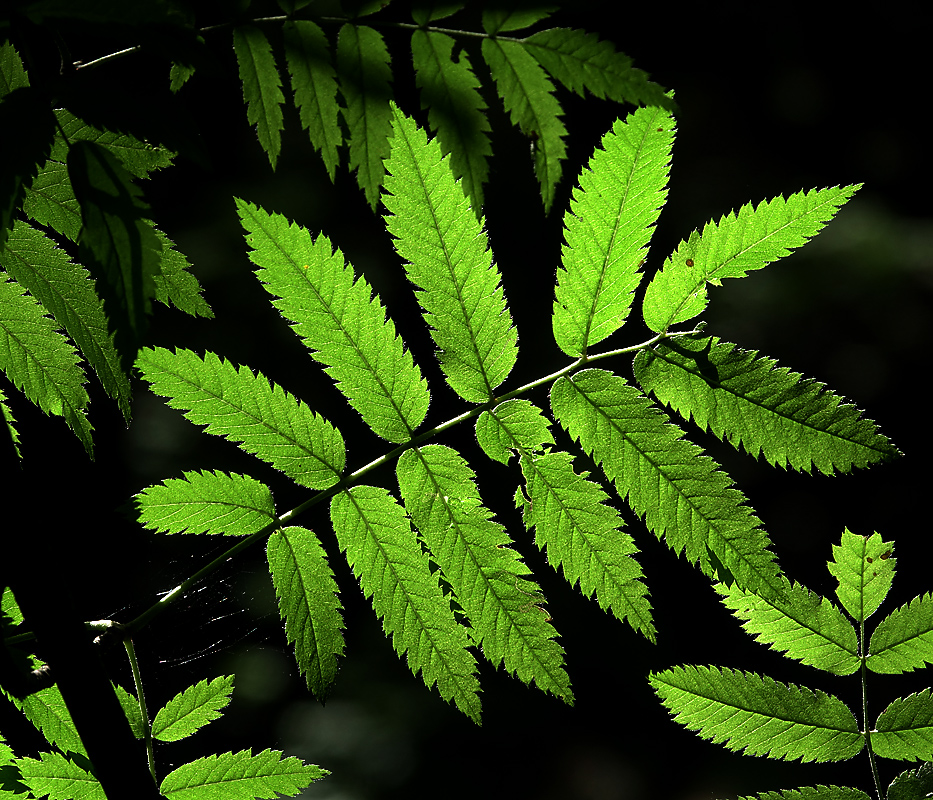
[262, 87]
[387, 559]
[192, 709]
[240, 776]
[746, 399]
[680, 492]
[903, 641]
[491, 583]
[308, 602]
[731, 248]
[528, 96]
[40, 362]
[607, 229]
[448, 259]
[758, 715]
[456, 110]
[363, 66]
[265, 420]
[801, 624]
[864, 568]
[314, 83]
[207, 502]
[337, 316]
[905, 729]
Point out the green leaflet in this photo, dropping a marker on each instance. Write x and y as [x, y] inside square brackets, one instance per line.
[579, 60]
[336, 315]
[264, 420]
[314, 84]
[308, 602]
[912, 784]
[905, 728]
[46, 710]
[731, 248]
[488, 577]
[515, 425]
[903, 641]
[528, 96]
[130, 706]
[503, 17]
[864, 568]
[608, 227]
[814, 793]
[758, 715]
[262, 87]
[448, 259]
[240, 776]
[746, 399]
[55, 776]
[51, 201]
[12, 74]
[192, 709]
[40, 362]
[387, 559]
[425, 11]
[175, 285]
[10, 424]
[680, 492]
[802, 625]
[456, 110]
[66, 290]
[363, 66]
[207, 502]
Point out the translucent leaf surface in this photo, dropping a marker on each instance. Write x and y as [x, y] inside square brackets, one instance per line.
[262, 87]
[46, 710]
[456, 110]
[759, 716]
[192, 709]
[905, 729]
[733, 247]
[51, 200]
[308, 602]
[206, 502]
[40, 362]
[798, 623]
[314, 83]
[387, 559]
[337, 316]
[515, 426]
[528, 96]
[363, 65]
[449, 261]
[864, 568]
[489, 579]
[264, 420]
[751, 402]
[608, 227]
[57, 778]
[240, 776]
[131, 710]
[903, 641]
[680, 492]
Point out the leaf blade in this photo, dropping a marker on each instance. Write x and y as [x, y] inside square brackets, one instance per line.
[262, 87]
[903, 640]
[192, 709]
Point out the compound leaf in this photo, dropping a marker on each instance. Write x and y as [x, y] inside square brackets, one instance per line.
[263, 419]
[363, 66]
[240, 776]
[314, 83]
[448, 259]
[262, 87]
[339, 319]
[798, 623]
[864, 568]
[308, 602]
[607, 229]
[56, 777]
[680, 492]
[491, 583]
[733, 247]
[758, 715]
[40, 362]
[192, 709]
[456, 110]
[387, 559]
[207, 502]
[903, 640]
[746, 399]
[528, 96]
[905, 729]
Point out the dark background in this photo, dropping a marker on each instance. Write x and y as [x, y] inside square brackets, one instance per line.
[769, 104]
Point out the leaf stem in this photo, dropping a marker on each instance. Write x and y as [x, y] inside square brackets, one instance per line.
[141, 698]
[864, 673]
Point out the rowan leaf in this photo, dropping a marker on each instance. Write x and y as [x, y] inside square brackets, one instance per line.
[864, 568]
[262, 87]
[191, 710]
[903, 640]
